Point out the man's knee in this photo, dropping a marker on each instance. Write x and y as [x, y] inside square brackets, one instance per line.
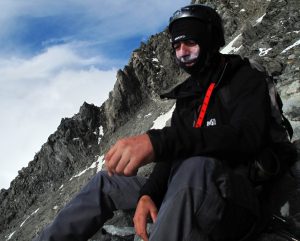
[122, 191]
[196, 164]
[193, 171]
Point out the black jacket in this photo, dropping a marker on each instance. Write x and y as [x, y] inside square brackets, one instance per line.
[235, 131]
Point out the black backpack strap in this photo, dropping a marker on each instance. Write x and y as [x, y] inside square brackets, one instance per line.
[288, 126]
[285, 122]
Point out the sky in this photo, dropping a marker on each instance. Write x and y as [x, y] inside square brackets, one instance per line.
[55, 55]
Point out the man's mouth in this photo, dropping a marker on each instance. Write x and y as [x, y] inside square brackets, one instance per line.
[188, 60]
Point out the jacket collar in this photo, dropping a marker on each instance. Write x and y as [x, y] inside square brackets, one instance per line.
[197, 85]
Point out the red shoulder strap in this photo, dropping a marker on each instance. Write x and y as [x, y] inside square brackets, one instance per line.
[204, 105]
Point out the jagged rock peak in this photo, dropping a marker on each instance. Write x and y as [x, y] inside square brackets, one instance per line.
[150, 71]
[73, 146]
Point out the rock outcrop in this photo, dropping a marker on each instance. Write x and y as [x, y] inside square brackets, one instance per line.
[266, 30]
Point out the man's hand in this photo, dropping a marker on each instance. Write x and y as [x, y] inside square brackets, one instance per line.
[128, 154]
[144, 209]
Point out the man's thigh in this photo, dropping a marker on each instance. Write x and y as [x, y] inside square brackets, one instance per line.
[121, 190]
[211, 192]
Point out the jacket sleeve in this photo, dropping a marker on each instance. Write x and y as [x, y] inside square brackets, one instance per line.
[243, 135]
[157, 183]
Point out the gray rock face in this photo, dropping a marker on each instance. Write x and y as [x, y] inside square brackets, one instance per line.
[266, 30]
[150, 70]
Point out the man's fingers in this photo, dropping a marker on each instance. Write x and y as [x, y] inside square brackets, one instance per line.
[107, 157]
[123, 162]
[110, 152]
[140, 225]
[113, 160]
[143, 236]
[128, 154]
[153, 214]
[131, 167]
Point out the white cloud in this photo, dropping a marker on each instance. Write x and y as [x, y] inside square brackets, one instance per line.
[43, 65]
[36, 94]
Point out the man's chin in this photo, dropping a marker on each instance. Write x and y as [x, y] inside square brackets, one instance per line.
[191, 64]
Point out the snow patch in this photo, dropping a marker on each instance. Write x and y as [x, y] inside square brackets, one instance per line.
[94, 164]
[285, 210]
[35, 211]
[100, 163]
[292, 46]
[264, 51]
[61, 187]
[29, 217]
[24, 221]
[10, 236]
[160, 122]
[229, 48]
[147, 115]
[101, 132]
[260, 19]
[242, 10]
[155, 60]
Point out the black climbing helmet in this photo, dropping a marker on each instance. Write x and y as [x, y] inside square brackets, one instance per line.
[206, 15]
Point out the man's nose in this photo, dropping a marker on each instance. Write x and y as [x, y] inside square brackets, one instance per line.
[183, 49]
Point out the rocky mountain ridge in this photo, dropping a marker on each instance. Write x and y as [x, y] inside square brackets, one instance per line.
[266, 30]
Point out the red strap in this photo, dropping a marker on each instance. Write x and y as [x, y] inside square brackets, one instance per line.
[204, 105]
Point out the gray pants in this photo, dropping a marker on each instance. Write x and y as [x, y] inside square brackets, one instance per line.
[205, 200]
